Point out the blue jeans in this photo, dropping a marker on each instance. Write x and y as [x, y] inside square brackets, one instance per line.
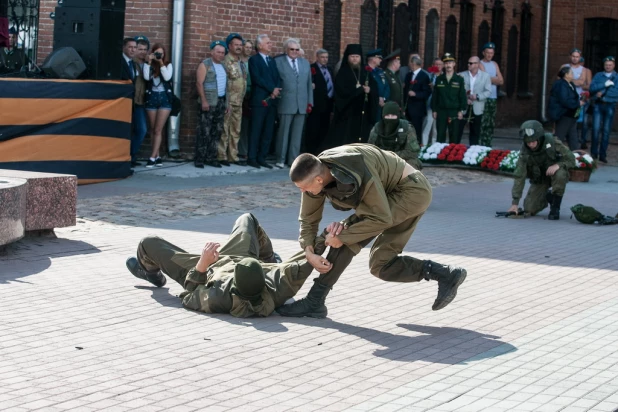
[585, 118]
[140, 127]
[603, 113]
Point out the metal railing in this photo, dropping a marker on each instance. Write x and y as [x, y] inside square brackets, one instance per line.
[23, 17]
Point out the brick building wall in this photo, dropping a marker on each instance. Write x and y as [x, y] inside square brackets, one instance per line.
[206, 20]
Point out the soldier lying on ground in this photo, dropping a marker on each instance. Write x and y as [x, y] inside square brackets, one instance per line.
[388, 196]
[546, 162]
[242, 278]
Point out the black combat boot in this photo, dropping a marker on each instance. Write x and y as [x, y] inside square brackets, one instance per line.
[554, 211]
[449, 279]
[311, 306]
[156, 278]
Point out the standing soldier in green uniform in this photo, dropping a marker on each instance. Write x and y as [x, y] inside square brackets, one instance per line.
[393, 63]
[546, 162]
[242, 279]
[397, 135]
[388, 196]
[236, 87]
[448, 101]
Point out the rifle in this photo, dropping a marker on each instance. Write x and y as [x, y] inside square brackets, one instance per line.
[520, 214]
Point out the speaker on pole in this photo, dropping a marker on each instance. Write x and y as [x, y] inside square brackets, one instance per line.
[95, 33]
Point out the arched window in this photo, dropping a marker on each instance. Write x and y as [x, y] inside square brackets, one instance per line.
[523, 77]
[385, 16]
[401, 37]
[600, 40]
[466, 14]
[414, 7]
[368, 25]
[483, 36]
[497, 27]
[332, 30]
[511, 61]
[432, 31]
[450, 35]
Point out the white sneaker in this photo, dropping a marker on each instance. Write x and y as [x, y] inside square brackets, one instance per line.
[280, 165]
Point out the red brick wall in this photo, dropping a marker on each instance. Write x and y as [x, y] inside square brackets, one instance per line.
[207, 20]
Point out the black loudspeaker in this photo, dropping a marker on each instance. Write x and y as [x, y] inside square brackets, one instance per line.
[64, 63]
[119, 5]
[96, 34]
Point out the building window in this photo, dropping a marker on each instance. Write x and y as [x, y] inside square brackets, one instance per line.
[450, 35]
[497, 27]
[401, 37]
[385, 17]
[368, 25]
[432, 30]
[511, 61]
[23, 18]
[414, 7]
[466, 15]
[332, 30]
[483, 36]
[523, 78]
[600, 40]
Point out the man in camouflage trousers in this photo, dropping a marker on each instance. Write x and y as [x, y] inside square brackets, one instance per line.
[243, 278]
[546, 162]
[236, 88]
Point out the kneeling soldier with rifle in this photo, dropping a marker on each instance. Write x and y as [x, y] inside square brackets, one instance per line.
[546, 162]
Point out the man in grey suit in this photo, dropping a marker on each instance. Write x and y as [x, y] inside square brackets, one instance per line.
[478, 90]
[296, 102]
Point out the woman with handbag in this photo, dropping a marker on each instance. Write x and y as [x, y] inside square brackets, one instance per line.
[564, 107]
[158, 73]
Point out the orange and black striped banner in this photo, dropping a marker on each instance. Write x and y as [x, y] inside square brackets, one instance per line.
[79, 127]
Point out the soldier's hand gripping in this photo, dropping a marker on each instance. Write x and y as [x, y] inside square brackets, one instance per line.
[210, 255]
[512, 209]
[551, 170]
[334, 229]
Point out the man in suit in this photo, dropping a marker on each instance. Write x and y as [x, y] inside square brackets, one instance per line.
[478, 90]
[417, 90]
[318, 120]
[131, 71]
[296, 102]
[266, 88]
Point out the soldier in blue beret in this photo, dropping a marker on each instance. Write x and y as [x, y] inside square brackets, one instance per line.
[374, 58]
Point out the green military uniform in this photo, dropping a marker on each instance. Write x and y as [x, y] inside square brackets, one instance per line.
[396, 135]
[12, 60]
[533, 164]
[394, 82]
[227, 147]
[213, 291]
[386, 206]
[448, 100]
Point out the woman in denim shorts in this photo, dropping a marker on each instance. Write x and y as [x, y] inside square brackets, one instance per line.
[157, 72]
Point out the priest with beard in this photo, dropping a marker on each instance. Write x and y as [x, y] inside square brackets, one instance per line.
[356, 101]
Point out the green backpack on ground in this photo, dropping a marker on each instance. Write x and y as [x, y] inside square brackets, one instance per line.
[589, 215]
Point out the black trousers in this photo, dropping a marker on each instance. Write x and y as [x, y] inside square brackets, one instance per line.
[475, 128]
[566, 130]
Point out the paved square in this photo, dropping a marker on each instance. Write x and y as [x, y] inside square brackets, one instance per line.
[533, 328]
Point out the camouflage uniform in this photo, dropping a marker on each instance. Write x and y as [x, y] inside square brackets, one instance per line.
[212, 291]
[533, 164]
[236, 89]
[404, 144]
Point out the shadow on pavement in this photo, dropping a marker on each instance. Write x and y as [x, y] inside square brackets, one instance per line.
[32, 255]
[444, 345]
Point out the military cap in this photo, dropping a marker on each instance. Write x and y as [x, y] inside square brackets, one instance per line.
[394, 54]
[531, 130]
[233, 36]
[249, 279]
[448, 57]
[375, 53]
[218, 43]
[141, 37]
[489, 45]
[12, 30]
[609, 59]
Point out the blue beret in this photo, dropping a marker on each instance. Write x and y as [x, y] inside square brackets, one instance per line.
[373, 53]
[233, 36]
[218, 43]
[489, 45]
[141, 37]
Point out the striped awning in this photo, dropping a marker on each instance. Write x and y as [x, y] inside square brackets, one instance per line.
[79, 127]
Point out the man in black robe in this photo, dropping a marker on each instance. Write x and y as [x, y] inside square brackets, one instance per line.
[356, 101]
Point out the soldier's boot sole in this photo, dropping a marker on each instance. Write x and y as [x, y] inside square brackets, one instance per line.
[300, 309]
[451, 293]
